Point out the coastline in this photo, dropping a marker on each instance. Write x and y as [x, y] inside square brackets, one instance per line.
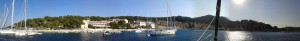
[90, 30]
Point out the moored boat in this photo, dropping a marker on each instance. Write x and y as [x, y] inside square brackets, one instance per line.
[165, 31]
[7, 32]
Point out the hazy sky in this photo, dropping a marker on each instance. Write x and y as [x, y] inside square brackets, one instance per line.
[275, 12]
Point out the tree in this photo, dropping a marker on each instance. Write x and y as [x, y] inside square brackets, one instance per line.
[95, 18]
[122, 24]
[47, 18]
[114, 25]
[48, 25]
[56, 24]
[72, 22]
[129, 26]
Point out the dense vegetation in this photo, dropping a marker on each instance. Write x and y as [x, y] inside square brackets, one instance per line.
[67, 22]
[120, 24]
[72, 22]
[61, 22]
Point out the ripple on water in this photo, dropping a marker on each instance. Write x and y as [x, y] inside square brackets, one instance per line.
[181, 35]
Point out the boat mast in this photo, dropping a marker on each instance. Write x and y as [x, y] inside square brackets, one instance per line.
[167, 13]
[6, 16]
[4, 13]
[12, 14]
[170, 14]
[218, 7]
[25, 3]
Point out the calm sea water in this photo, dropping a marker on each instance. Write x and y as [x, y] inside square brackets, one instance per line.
[181, 35]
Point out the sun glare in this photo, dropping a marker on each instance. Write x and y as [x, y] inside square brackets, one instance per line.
[238, 1]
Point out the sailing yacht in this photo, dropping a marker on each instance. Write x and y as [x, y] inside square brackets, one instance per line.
[165, 30]
[27, 31]
[10, 31]
[16, 32]
[7, 31]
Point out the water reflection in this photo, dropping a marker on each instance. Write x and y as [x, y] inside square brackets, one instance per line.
[13, 37]
[238, 36]
[181, 35]
[85, 36]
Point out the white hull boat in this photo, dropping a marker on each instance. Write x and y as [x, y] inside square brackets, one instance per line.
[163, 32]
[7, 31]
[138, 31]
[23, 33]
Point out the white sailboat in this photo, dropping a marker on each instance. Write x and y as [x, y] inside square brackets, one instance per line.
[10, 31]
[27, 31]
[4, 21]
[7, 32]
[166, 30]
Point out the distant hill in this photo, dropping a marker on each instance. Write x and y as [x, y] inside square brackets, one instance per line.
[71, 21]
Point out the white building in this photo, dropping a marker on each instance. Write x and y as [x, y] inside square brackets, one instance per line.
[152, 25]
[140, 23]
[85, 25]
[100, 24]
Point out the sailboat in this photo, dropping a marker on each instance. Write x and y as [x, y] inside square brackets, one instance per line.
[165, 30]
[27, 31]
[7, 32]
[10, 31]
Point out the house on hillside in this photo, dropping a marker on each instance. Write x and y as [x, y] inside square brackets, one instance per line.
[100, 24]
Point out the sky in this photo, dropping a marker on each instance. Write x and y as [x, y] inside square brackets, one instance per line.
[275, 12]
